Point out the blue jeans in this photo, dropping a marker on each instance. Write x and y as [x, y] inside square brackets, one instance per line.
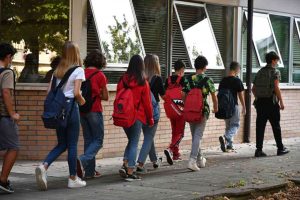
[93, 133]
[133, 134]
[148, 144]
[67, 138]
[232, 126]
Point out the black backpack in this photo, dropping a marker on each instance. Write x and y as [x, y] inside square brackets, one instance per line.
[55, 106]
[226, 104]
[86, 90]
[14, 91]
[264, 82]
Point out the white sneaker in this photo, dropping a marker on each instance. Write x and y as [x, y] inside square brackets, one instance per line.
[77, 183]
[41, 177]
[201, 162]
[192, 165]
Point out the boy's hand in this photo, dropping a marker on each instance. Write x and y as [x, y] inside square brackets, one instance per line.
[281, 105]
[215, 110]
[15, 117]
[244, 111]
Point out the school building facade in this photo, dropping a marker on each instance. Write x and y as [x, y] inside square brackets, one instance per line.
[173, 30]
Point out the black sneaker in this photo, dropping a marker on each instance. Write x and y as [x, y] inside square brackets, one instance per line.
[133, 177]
[222, 143]
[169, 156]
[123, 172]
[141, 170]
[260, 153]
[6, 187]
[282, 151]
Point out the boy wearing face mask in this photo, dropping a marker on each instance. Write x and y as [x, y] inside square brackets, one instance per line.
[268, 103]
[236, 88]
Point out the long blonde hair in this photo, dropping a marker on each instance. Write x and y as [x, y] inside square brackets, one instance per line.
[152, 66]
[70, 58]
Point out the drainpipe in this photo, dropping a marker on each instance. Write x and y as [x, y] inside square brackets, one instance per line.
[247, 128]
[169, 37]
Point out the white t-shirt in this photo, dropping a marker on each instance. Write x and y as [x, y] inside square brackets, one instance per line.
[68, 88]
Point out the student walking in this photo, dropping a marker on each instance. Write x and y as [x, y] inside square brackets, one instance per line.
[174, 107]
[152, 69]
[67, 137]
[196, 109]
[94, 90]
[9, 118]
[268, 103]
[230, 89]
[132, 110]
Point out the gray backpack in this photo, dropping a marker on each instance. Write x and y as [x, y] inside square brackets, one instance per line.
[264, 82]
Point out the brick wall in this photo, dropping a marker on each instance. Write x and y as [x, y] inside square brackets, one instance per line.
[36, 141]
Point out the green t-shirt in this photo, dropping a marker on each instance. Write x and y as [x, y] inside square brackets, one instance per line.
[207, 88]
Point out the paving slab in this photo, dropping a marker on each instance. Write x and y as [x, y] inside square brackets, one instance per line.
[232, 173]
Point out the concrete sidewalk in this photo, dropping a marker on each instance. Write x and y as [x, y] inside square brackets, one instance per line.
[234, 172]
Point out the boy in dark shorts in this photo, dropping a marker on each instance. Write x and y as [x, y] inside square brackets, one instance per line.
[9, 140]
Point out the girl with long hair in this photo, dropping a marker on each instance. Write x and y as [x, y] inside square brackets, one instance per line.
[67, 137]
[152, 69]
[135, 79]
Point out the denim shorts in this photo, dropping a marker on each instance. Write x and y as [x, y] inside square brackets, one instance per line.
[9, 137]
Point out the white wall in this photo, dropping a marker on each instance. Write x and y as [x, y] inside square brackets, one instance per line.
[78, 24]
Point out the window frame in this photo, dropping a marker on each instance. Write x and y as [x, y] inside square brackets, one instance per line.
[183, 3]
[267, 16]
[297, 20]
[117, 66]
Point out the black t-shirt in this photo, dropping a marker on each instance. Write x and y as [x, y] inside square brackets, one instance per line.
[234, 84]
[157, 88]
[173, 80]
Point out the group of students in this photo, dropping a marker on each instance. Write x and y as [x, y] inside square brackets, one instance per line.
[136, 109]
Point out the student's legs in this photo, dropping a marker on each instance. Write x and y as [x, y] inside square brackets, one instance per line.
[133, 135]
[9, 160]
[72, 140]
[148, 147]
[197, 130]
[9, 141]
[232, 126]
[261, 121]
[275, 123]
[58, 149]
[178, 127]
[95, 136]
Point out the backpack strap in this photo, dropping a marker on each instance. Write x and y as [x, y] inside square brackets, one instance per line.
[152, 81]
[14, 90]
[178, 80]
[93, 74]
[66, 76]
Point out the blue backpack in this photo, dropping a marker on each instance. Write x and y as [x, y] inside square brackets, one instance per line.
[155, 105]
[226, 104]
[55, 106]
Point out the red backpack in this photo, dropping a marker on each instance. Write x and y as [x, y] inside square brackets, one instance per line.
[124, 113]
[173, 99]
[194, 104]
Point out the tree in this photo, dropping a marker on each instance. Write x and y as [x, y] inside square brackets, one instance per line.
[123, 47]
[41, 24]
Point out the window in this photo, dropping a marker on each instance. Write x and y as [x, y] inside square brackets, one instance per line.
[37, 31]
[198, 34]
[263, 38]
[296, 51]
[117, 30]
